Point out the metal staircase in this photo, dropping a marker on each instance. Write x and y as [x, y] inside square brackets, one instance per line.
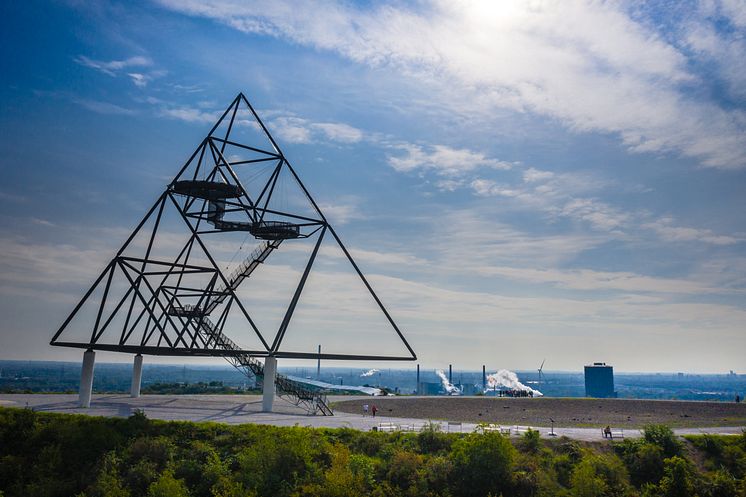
[295, 392]
[292, 391]
[218, 295]
[243, 271]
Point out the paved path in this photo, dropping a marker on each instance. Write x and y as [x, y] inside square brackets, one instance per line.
[238, 409]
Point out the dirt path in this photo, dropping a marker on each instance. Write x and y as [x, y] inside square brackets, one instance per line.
[580, 412]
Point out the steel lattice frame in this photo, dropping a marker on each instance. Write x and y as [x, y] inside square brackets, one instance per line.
[191, 338]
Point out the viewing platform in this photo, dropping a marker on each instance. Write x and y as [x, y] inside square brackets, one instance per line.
[207, 190]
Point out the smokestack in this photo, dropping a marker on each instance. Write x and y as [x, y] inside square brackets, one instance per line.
[418, 380]
[484, 377]
[450, 374]
[318, 365]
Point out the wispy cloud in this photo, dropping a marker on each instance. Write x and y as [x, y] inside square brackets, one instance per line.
[112, 67]
[135, 68]
[12, 197]
[293, 129]
[339, 132]
[598, 214]
[442, 159]
[42, 222]
[589, 65]
[103, 107]
[590, 280]
[341, 213]
[669, 231]
[190, 114]
[139, 79]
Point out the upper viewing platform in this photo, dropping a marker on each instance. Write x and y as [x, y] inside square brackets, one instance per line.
[208, 190]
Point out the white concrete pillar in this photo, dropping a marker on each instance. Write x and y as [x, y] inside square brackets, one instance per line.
[136, 377]
[86, 378]
[270, 372]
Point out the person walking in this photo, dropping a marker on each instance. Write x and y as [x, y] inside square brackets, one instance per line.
[374, 410]
[365, 409]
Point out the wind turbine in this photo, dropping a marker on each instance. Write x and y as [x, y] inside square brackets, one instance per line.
[541, 368]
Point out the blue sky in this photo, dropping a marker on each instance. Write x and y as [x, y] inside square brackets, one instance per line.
[520, 180]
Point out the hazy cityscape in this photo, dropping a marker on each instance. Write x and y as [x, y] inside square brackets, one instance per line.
[37, 376]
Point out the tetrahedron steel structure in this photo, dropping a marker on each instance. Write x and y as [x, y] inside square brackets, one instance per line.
[168, 290]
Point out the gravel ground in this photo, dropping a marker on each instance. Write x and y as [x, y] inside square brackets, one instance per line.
[238, 409]
[580, 412]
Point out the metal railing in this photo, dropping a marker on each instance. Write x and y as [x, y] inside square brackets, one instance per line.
[293, 391]
[243, 271]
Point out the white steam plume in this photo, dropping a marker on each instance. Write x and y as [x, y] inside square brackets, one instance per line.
[508, 379]
[370, 372]
[447, 385]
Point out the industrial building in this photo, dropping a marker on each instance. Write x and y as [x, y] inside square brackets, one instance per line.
[427, 388]
[599, 381]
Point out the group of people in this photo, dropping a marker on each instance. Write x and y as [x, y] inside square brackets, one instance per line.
[373, 410]
[514, 393]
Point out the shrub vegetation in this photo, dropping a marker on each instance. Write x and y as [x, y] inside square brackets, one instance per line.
[43, 454]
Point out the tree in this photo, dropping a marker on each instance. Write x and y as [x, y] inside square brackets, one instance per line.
[108, 483]
[586, 482]
[678, 478]
[600, 475]
[663, 437]
[482, 465]
[167, 486]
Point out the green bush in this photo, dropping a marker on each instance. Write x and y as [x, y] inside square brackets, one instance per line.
[431, 440]
[168, 486]
[679, 478]
[64, 455]
[482, 465]
[721, 484]
[663, 437]
[600, 475]
[531, 441]
[644, 461]
[563, 466]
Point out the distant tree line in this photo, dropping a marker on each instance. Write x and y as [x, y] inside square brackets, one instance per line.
[200, 387]
[45, 454]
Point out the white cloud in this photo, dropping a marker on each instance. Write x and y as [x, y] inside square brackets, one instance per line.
[139, 79]
[444, 160]
[340, 132]
[42, 222]
[587, 64]
[532, 175]
[598, 214]
[190, 115]
[449, 185]
[113, 66]
[291, 129]
[563, 195]
[476, 238]
[557, 195]
[340, 213]
[586, 279]
[103, 107]
[668, 231]
[489, 188]
[726, 56]
[295, 129]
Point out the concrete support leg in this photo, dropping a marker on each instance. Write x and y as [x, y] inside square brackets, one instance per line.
[86, 378]
[136, 377]
[270, 372]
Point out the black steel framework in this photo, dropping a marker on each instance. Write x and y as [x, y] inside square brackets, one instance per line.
[175, 316]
